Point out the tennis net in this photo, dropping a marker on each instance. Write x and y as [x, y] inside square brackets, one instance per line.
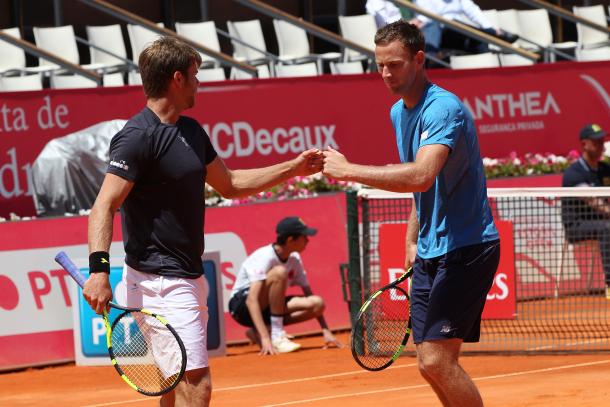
[549, 294]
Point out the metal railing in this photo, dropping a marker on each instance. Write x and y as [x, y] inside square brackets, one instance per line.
[132, 18]
[41, 53]
[126, 61]
[268, 55]
[307, 26]
[317, 31]
[565, 14]
[469, 31]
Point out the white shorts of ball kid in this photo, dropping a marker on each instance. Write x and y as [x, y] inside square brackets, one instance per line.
[182, 301]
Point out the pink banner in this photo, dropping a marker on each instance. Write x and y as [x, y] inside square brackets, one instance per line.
[535, 109]
[35, 304]
[501, 299]
[254, 225]
[255, 123]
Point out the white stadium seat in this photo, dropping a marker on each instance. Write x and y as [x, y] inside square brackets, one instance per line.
[20, 83]
[211, 75]
[109, 38]
[203, 33]
[71, 82]
[361, 30]
[308, 69]
[140, 38]
[484, 60]
[589, 37]
[343, 68]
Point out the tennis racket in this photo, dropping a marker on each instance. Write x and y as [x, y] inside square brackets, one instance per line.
[144, 349]
[382, 327]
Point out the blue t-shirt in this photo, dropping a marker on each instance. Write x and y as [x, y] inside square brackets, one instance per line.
[455, 211]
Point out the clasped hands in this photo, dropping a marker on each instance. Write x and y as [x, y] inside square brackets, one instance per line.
[329, 161]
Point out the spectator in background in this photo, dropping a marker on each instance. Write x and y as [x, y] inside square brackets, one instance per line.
[463, 11]
[259, 296]
[385, 12]
[589, 218]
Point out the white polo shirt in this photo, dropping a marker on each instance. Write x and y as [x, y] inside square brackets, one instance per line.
[465, 11]
[256, 266]
[384, 12]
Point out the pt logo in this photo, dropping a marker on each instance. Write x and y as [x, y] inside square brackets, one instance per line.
[10, 296]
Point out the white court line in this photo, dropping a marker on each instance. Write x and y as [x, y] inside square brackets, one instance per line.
[304, 379]
[579, 343]
[363, 393]
[118, 403]
[249, 386]
[360, 393]
[500, 376]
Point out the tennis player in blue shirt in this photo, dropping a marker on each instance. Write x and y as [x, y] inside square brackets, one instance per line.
[452, 242]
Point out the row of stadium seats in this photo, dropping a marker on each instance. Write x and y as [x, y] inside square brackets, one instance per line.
[534, 30]
[108, 53]
[533, 27]
[535, 34]
[109, 56]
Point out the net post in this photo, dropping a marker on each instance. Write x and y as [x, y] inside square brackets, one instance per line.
[343, 271]
[353, 241]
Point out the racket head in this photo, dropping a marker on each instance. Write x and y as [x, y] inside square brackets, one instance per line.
[146, 351]
[382, 329]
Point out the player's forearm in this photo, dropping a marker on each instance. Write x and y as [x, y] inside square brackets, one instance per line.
[413, 226]
[112, 194]
[100, 228]
[396, 178]
[252, 181]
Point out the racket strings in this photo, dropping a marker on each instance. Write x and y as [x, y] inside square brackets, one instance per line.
[381, 329]
[146, 351]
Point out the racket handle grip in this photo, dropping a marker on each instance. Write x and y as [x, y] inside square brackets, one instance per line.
[63, 259]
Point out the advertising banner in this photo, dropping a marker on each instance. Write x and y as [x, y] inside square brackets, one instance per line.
[260, 122]
[36, 305]
[543, 255]
[501, 299]
[90, 346]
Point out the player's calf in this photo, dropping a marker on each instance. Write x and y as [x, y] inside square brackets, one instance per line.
[195, 389]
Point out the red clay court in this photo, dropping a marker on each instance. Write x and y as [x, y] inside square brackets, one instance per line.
[328, 377]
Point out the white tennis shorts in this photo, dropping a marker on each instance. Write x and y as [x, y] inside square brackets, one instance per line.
[182, 301]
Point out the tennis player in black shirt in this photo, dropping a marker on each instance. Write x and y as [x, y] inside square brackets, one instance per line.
[159, 163]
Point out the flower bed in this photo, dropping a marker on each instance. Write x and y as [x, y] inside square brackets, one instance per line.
[529, 164]
[302, 187]
[297, 187]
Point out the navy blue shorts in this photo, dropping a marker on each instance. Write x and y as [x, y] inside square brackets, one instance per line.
[448, 292]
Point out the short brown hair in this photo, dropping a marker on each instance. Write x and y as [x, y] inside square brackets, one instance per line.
[160, 60]
[408, 34]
